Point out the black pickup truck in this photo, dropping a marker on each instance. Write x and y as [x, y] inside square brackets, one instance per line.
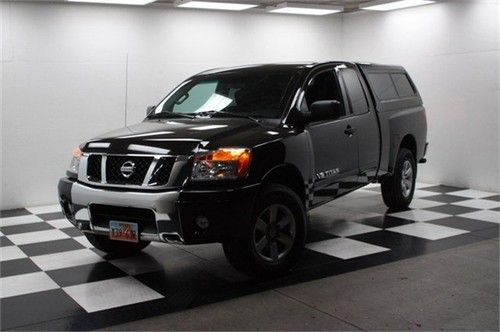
[239, 155]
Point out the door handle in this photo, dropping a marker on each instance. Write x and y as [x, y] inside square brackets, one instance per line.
[349, 131]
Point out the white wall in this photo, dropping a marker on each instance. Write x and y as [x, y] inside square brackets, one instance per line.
[71, 71]
[66, 68]
[451, 50]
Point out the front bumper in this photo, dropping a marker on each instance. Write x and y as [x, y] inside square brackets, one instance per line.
[167, 216]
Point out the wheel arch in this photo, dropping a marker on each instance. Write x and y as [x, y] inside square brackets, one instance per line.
[409, 142]
[289, 176]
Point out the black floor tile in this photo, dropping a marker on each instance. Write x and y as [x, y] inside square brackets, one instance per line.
[443, 198]
[14, 213]
[33, 227]
[51, 216]
[33, 308]
[314, 235]
[442, 189]
[309, 259]
[193, 283]
[451, 209]
[463, 223]
[85, 273]
[71, 231]
[385, 221]
[50, 247]
[394, 241]
[17, 266]
[493, 198]
[5, 242]
[487, 233]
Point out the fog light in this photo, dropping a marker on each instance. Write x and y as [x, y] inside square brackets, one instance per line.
[202, 222]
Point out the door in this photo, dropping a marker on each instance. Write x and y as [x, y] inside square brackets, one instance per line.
[333, 141]
[364, 121]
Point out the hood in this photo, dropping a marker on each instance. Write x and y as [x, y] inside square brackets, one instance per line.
[183, 136]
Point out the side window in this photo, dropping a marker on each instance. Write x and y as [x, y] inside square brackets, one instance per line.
[383, 86]
[403, 85]
[355, 93]
[323, 86]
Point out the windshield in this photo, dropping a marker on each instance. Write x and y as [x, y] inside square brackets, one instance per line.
[256, 94]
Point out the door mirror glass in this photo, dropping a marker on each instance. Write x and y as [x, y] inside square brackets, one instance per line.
[150, 110]
[325, 110]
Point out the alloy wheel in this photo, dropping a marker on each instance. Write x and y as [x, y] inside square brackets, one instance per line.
[407, 178]
[274, 232]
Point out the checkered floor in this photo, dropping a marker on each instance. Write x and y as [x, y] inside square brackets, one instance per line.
[52, 277]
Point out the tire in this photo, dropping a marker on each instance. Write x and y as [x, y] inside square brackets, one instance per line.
[115, 248]
[272, 247]
[397, 190]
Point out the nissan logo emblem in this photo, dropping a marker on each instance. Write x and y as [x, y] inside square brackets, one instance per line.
[127, 169]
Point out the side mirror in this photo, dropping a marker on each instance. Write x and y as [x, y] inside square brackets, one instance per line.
[149, 110]
[325, 110]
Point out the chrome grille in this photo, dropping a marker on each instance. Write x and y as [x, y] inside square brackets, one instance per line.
[162, 171]
[147, 171]
[94, 168]
[115, 163]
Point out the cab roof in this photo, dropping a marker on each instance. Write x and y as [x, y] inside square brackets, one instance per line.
[291, 66]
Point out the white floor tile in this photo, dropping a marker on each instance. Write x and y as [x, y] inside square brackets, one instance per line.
[419, 193]
[330, 214]
[472, 193]
[418, 203]
[66, 259]
[35, 237]
[84, 242]
[349, 228]
[44, 209]
[111, 293]
[21, 220]
[484, 215]
[419, 215]
[484, 204]
[26, 284]
[427, 231]
[60, 223]
[136, 264]
[360, 193]
[10, 253]
[345, 248]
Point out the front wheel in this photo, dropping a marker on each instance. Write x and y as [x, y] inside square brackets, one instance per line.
[113, 247]
[397, 190]
[276, 238]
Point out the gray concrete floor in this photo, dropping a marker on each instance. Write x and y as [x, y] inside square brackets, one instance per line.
[455, 289]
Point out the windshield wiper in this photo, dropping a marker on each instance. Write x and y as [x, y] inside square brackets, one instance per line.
[168, 115]
[214, 113]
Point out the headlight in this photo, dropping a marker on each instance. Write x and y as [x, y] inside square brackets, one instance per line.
[222, 164]
[75, 163]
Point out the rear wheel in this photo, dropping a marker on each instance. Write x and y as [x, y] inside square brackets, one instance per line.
[397, 190]
[112, 247]
[276, 237]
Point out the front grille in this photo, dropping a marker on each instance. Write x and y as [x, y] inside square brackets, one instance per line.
[94, 168]
[101, 215]
[114, 174]
[118, 167]
[162, 171]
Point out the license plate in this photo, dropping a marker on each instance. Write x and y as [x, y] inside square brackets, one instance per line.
[123, 231]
